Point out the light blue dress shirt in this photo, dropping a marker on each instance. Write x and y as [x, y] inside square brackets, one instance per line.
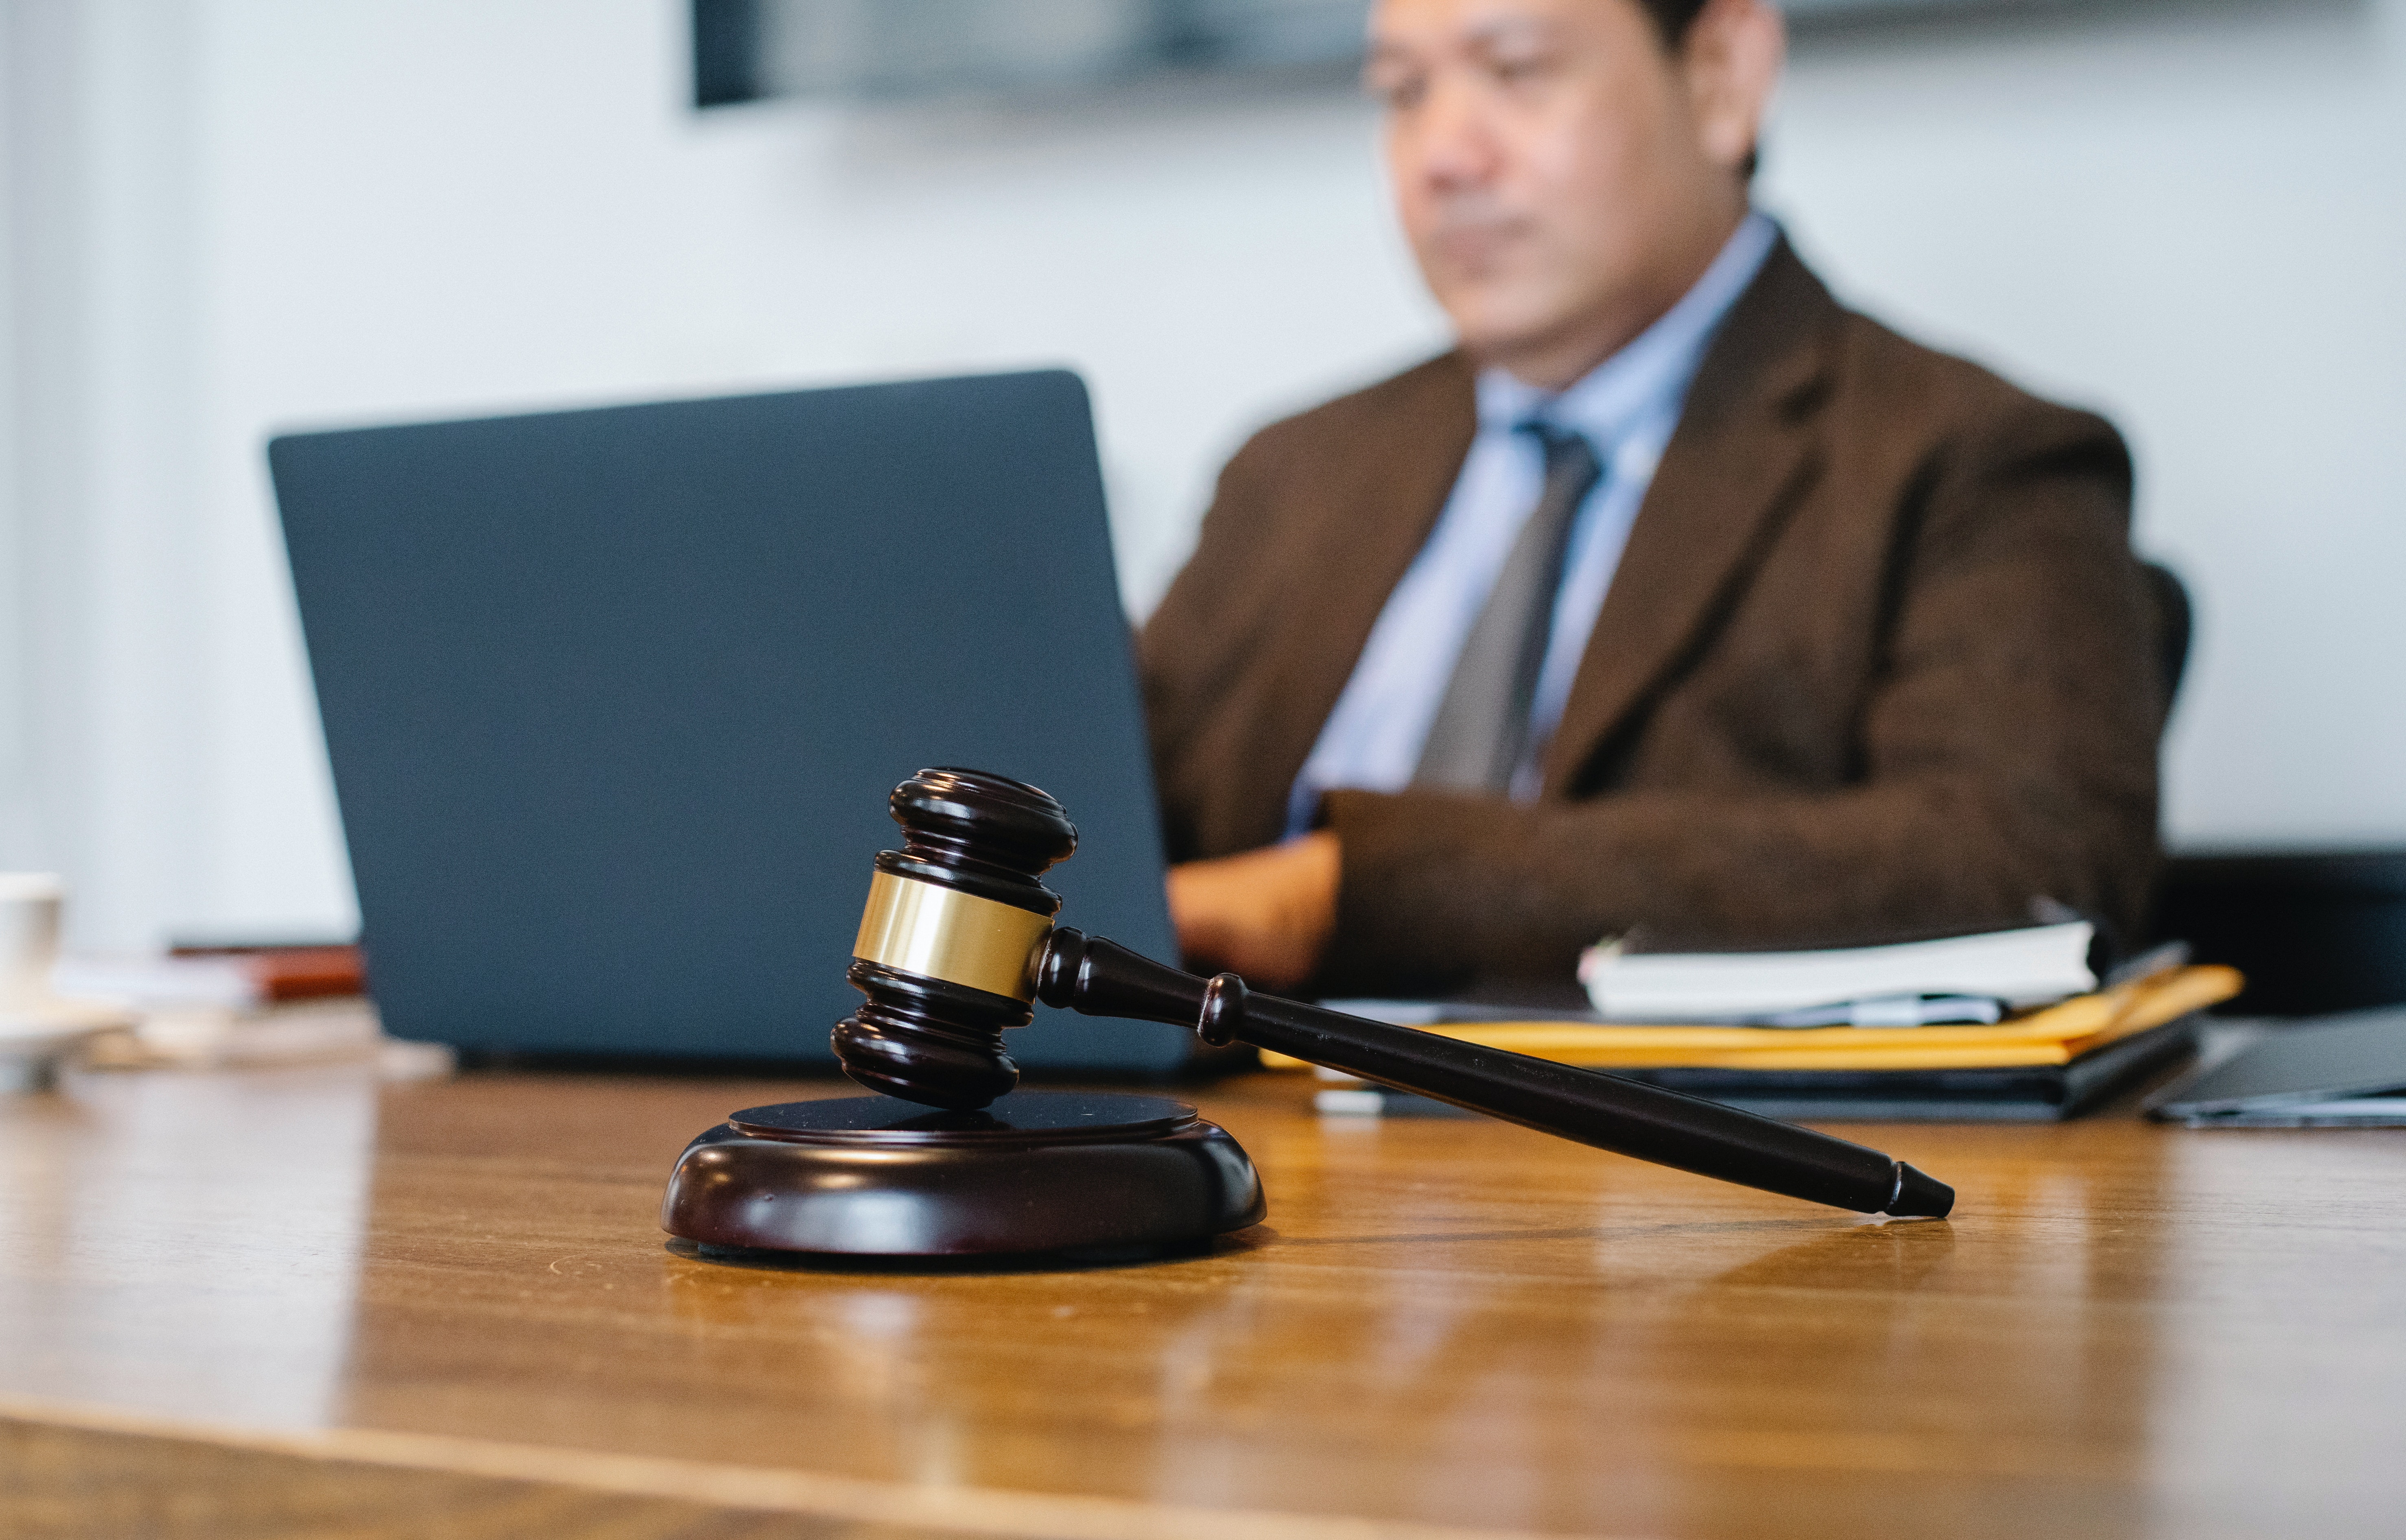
[1628, 407]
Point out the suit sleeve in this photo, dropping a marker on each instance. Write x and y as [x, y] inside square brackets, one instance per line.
[1192, 645]
[2006, 747]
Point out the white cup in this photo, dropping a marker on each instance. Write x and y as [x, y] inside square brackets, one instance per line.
[29, 935]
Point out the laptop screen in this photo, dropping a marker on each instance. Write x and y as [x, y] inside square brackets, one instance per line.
[614, 699]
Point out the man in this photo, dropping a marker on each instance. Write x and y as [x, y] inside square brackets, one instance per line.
[1677, 595]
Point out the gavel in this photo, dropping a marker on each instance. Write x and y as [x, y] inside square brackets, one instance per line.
[958, 941]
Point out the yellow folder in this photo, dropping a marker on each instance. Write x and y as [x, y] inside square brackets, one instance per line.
[2056, 1035]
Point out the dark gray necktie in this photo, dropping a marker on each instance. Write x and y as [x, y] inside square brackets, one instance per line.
[1483, 726]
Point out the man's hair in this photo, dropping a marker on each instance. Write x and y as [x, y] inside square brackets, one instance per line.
[1672, 18]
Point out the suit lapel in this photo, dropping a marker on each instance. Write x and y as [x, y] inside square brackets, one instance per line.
[1744, 450]
[1375, 527]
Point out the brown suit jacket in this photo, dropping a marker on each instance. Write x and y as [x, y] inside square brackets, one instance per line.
[1876, 659]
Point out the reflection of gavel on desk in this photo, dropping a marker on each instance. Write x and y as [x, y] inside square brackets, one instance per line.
[958, 939]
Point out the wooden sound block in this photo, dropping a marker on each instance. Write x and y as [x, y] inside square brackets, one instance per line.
[1038, 1171]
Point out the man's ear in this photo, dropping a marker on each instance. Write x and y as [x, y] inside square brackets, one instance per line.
[1732, 56]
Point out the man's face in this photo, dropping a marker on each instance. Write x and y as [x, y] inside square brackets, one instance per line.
[1562, 177]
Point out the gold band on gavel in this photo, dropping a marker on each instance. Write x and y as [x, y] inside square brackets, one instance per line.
[940, 933]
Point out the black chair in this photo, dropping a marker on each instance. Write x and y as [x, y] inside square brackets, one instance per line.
[2174, 620]
[2315, 931]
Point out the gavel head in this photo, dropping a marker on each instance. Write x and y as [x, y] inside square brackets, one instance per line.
[954, 921]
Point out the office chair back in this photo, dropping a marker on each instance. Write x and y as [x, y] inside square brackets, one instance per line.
[2315, 931]
[2175, 621]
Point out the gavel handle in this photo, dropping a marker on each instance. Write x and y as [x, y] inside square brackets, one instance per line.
[1100, 977]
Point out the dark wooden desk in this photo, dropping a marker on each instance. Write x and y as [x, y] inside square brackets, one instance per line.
[288, 1303]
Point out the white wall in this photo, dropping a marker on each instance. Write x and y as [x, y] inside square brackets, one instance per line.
[115, 561]
[277, 211]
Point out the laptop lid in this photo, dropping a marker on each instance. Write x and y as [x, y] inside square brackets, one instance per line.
[614, 699]
[2348, 1068]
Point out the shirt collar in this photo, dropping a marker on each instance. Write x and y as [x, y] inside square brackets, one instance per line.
[1653, 370]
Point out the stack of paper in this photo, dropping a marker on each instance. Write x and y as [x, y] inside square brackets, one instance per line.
[2041, 1065]
[2057, 1035]
[243, 1007]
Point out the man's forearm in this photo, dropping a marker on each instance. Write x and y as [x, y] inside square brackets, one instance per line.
[1438, 889]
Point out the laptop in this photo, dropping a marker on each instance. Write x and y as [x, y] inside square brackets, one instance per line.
[2338, 1071]
[614, 698]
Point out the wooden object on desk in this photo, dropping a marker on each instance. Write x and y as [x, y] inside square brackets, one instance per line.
[292, 1303]
[1067, 1174]
[951, 1161]
[957, 937]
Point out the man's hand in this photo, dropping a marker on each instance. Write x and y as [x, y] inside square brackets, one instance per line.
[1265, 913]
